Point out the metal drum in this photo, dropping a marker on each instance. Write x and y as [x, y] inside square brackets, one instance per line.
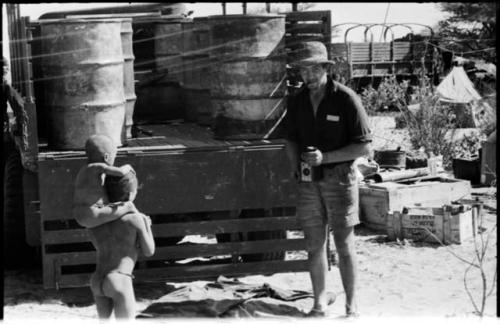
[247, 84]
[128, 77]
[169, 47]
[83, 71]
[196, 71]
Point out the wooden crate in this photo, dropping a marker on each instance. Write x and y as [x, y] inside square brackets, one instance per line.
[377, 200]
[450, 224]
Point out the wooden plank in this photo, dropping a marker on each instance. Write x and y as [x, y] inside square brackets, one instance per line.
[183, 251]
[226, 226]
[309, 28]
[192, 272]
[187, 228]
[292, 41]
[307, 15]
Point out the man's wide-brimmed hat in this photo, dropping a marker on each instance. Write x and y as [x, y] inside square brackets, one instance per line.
[309, 53]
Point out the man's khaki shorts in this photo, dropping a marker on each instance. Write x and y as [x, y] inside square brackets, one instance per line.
[333, 200]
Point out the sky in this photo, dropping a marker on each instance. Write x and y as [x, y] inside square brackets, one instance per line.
[342, 12]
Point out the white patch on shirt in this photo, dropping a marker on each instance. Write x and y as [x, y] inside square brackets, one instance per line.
[332, 118]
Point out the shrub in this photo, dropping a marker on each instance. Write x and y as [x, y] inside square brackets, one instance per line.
[468, 147]
[428, 126]
[390, 95]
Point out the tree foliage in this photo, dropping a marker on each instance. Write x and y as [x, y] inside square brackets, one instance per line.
[470, 27]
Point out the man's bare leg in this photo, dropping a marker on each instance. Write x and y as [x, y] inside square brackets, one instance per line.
[318, 264]
[344, 242]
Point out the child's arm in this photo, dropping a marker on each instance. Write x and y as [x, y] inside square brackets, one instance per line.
[143, 225]
[112, 170]
[101, 214]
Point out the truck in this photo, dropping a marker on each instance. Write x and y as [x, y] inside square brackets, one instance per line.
[235, 196]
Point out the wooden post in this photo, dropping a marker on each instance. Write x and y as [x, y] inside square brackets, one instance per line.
[268, 7]
[244, 8]
[224, 8]
[295, 6]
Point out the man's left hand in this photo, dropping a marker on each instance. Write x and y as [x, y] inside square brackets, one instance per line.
[314, 158]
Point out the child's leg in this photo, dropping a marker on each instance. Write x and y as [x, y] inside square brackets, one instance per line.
[103, 304]
[119, 287]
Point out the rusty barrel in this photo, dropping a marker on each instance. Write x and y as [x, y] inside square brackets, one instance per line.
[83, 80]
[128, 76]
[196, 71]
[168, 47]
[248, 74]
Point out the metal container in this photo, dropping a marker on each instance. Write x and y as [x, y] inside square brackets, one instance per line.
[83, 71]
[391, 159]
[197, 67]
[168, 44]
[248, 74]
[247, 36]
[128, 77]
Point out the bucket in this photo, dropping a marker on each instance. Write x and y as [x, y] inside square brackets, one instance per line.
[248, 77]
[128, 77]
[83, 71]
[395, 159]
[467, 169]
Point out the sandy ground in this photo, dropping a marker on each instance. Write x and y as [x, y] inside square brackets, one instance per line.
[396, 279]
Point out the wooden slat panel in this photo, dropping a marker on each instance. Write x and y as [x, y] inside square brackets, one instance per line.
[206, 250]
[291, 41]
[183, 251]
[188, 228]
[307, 15]
[313, 28]
[190, 272]
[226, 226]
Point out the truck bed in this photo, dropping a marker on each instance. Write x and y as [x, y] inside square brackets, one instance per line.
[176, 137]
[190, 184]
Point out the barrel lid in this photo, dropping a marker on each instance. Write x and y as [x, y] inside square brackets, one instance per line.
[166, 20]
[80, 21]
[241, 16]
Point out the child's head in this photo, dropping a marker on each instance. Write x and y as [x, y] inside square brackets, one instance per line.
[100, 148]
[121, 188]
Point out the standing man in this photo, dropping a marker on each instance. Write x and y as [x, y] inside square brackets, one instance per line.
[327, 127]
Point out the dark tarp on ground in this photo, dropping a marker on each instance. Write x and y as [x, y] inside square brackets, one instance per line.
[227, 298]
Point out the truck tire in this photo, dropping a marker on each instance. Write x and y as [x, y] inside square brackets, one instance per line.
[17, 253]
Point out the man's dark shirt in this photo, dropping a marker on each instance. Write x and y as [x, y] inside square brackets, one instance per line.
[340, 119]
